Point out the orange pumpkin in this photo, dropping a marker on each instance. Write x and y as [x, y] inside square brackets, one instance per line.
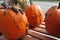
[52, 21]
[13, 24]
[34, 15]
[0, 8]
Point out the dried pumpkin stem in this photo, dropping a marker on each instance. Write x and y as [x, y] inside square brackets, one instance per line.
[14, 9]
[59, 5]
[5, 5]
[21, 11]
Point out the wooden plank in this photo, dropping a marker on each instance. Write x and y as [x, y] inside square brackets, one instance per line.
[38, 29]
[3, 37]
[42, 26]
[41, 35]
[28, 37]
[43, 23]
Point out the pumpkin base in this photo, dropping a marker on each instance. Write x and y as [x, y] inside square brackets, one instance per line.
[0, 33]
[20, 39]
[31, 27]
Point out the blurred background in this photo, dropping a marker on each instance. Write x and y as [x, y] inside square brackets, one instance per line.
[44, 4]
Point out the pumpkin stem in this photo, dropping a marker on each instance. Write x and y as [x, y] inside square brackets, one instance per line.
[31, 2]
[59, 5]
[14, 9]
[21, 11]
[5, 5]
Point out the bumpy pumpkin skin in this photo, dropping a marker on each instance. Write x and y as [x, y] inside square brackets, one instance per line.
[13, 24]
[34, 15]
[24, 16]
[52, 21]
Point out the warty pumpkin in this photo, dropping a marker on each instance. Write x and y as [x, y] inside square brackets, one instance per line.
[13, 23]
[52, 21]
[0, 8]
[34, 15]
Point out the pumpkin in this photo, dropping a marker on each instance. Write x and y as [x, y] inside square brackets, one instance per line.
[52, 21]
[34, 15]
[13, 24]
[0, 8]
